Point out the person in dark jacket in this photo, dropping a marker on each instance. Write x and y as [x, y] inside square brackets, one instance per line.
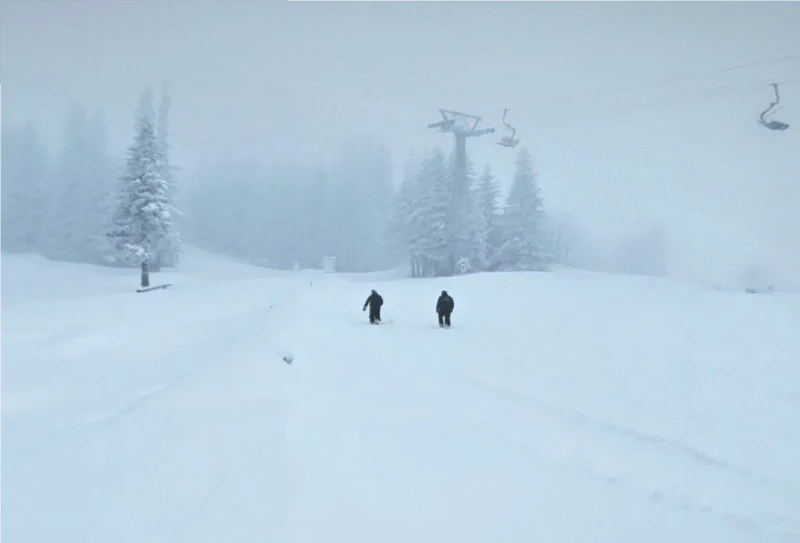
[374, 301]
[445, 306]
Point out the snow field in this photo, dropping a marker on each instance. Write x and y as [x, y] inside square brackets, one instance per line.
[567, 406]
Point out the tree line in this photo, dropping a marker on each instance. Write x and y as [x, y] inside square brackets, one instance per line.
[87, 206]
[490, 236]
[351, 209]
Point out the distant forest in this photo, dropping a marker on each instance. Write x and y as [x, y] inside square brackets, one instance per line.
[84, 205]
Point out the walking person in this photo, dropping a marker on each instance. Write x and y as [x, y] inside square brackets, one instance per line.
[444, 307]
[374, 301]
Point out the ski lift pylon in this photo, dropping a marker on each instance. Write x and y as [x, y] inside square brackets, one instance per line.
[772, 124]
[508, 141]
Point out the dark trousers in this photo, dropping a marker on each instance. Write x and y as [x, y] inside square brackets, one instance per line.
[374, 314]
[444, 319]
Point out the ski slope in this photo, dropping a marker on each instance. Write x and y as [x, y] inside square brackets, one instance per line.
[563, 407]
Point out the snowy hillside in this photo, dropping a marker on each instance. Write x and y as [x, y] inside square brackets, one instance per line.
[566, 407]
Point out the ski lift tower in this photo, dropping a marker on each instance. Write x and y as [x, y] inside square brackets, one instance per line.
[462, 126]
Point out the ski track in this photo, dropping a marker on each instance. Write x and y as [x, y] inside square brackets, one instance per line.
[575, 418]
[215, 351]
[249, 458]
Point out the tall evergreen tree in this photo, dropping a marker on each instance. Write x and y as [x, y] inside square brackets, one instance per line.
[523, 248]
[434, 220]
[478, 229]
[465, 230]
[405, 220]
[424, 218]
[486, 196]
[143, 220]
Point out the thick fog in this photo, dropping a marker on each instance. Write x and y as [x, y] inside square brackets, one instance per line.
[292, 125]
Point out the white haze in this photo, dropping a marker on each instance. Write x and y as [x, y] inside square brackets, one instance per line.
[285, 84]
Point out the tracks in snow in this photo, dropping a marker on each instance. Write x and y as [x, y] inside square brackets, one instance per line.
[652, 466]
[202, 450]
[210, 354]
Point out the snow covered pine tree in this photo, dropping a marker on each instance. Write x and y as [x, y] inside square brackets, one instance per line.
[142, 220]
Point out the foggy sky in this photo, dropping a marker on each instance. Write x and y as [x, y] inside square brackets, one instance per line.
[288, 81]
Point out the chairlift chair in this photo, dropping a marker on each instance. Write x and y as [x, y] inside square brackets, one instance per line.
[772, 124]
[508, 141]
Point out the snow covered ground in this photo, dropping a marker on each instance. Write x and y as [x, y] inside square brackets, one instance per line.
[564, 407]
